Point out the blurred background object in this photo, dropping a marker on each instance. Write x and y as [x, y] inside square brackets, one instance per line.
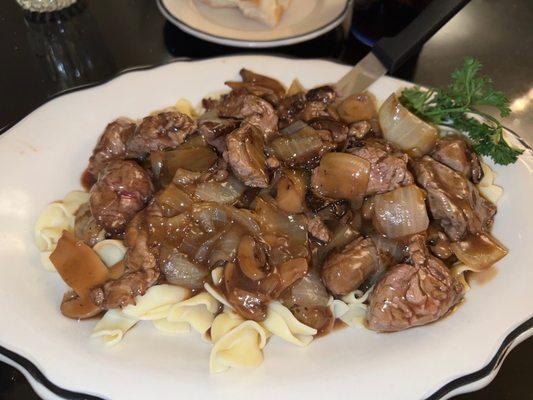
[44, 5]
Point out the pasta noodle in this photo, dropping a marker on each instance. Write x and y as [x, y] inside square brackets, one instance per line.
[184, 106]
[281, 322]
[213, 292]
[197, 313]
[156, 302]
[240, 347]
[487, 187]
[224, 323]
[53, 220]
[112, 327]
[353, 312]
[110, 251]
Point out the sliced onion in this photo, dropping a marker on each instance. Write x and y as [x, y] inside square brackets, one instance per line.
[341, 176]
[308, 292]
[291, 192]
[173, 200]
[185, 177]
[299, 147]
[479, 251]
[192, 158]
[294, 127]
[400, 212]
[179, 270]
[227, 192]
[290, 271]
[389, 247]
[225, 249]
[405, 129]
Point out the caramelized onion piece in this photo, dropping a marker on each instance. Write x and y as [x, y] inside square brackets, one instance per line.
[192, 158]
[405, 129]
[479, 251]
[291, 192]
[290, 271]
[357, 107]
[249, 263]
[226, 192]
[179, 270]
[401, 212]
[298, 148]
[341, 176]
[173, 201]
[81, 269]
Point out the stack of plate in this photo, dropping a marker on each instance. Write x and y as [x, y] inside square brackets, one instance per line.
[304, 20]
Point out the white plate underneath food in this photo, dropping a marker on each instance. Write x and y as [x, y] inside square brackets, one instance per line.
[303, 20]
[41, 160]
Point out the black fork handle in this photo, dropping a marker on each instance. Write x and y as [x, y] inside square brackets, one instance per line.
[394, 51]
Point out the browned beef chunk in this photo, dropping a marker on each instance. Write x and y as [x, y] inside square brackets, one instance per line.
[245, 156]
[140, 263]
[123, 188]
[122, 291]
[86, 228]
[254, 110]
[414, 294]
[388, 171]
[346, 270]
[111, 145]
[339, 130]
[159, 132]
[453, 199]
[457, 154]
[215, 131]
[306, 107]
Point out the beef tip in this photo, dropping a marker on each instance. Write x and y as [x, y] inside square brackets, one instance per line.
[111, 145]
[408, 296]
[245, 156]
[323, 94]
[159, 132]
[306, 107]
[339, 130]
[453, 200]
[458, 155]
[318, 229]
[86, 228]
[123, 188]
[346, 270]
[359, 130]
[215, 131]
[140, 265]
[254, 110]
[387, 170]
[121, 292]
[413, 294]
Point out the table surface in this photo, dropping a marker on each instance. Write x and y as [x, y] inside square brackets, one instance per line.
[97, 39]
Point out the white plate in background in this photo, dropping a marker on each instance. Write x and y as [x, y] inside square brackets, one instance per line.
[41, 159]
[304, 20]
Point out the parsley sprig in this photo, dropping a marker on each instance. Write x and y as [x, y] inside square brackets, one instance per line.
[457, 105]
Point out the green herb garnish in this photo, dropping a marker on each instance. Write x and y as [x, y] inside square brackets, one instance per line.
[456, 106]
